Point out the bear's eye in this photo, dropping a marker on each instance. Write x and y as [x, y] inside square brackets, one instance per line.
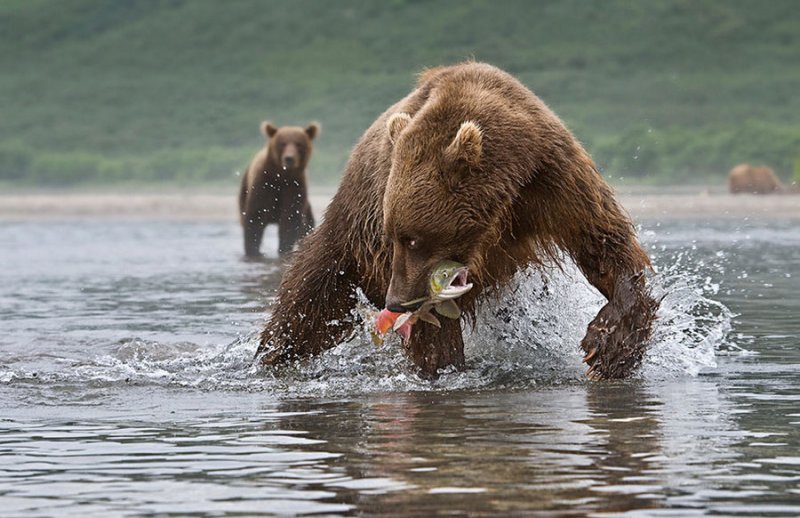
[408, 242]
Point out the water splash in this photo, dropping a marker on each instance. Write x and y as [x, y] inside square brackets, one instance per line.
[536, 327]
[528, 335]
[691, 326]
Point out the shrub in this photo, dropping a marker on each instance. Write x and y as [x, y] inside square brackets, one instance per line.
[64, 168]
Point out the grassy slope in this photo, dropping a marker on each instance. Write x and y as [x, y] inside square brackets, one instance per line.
[159, 89]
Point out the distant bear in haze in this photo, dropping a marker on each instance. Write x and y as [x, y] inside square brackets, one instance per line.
[748, 179]
[274, 188]
[470, 167]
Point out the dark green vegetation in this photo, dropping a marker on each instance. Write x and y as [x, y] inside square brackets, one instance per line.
[118, 91]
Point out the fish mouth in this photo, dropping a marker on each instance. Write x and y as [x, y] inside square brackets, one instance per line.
[456, 286]
[423, 308]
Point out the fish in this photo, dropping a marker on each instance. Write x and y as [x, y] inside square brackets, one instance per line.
[448, 281]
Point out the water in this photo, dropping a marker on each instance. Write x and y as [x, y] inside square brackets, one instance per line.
[126, 388]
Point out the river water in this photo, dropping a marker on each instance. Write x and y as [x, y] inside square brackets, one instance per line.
[127, 389]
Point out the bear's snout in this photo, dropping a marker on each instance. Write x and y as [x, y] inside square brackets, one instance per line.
[393, 302]
[290, 157]
[400, 299]
[408, 286]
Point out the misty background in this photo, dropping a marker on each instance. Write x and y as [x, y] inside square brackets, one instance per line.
[172, 91]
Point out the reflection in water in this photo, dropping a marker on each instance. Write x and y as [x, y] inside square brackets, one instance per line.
[202, 466]
[610, 447]
[624, 420]
[592, 447]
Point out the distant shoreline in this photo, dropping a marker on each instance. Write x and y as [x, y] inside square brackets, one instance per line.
[221, 206]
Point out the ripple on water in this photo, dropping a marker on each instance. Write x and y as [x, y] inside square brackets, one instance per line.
[97, 465]
[527, 336]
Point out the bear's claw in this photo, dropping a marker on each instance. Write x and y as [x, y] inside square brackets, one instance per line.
[616, 339]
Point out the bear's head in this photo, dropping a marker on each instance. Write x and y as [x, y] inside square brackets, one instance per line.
[290, 146]
[439, 203]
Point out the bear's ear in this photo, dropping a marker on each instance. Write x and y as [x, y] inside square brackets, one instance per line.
[268, 129]
[467, 145]
[312, 130]
[396, 123]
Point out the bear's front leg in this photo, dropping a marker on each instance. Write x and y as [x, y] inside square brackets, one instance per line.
[616, 339]
[432, 348]
[308, 219]
[312, 308]
[253, 234]
[294, 224]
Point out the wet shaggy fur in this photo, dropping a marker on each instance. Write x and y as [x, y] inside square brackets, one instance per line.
[274, 188]
[471, 166]
[748, 179]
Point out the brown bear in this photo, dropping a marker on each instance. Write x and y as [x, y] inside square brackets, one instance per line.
[748, 179]
[470, 166]
[274, 188]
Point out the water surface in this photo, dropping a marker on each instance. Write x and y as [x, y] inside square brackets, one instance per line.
[127, 388]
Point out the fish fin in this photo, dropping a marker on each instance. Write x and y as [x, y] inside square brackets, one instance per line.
[376, 338]
[414, 302]
[405, 331]
[402, 319]
[449, 309]
[430, 318]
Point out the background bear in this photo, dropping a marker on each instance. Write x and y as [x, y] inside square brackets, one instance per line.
[274, 188]
[748, 179]
[471, 166]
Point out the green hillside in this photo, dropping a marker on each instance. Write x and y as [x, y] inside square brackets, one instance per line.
[173, 90]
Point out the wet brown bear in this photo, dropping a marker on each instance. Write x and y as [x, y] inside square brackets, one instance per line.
[274, 188]
[748, 179]
[471, 166]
